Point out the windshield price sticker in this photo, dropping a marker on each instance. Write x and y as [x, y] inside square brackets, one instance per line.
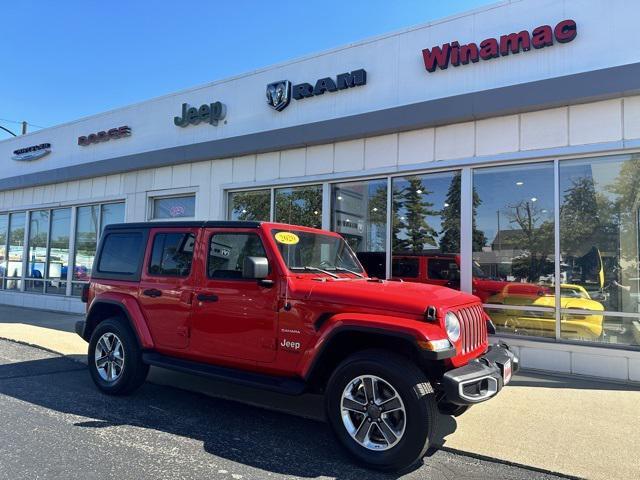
[287, 238]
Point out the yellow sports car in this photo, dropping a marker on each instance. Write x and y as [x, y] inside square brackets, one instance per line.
[575, 326]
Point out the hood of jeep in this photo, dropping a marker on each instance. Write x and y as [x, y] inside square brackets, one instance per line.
[399, 297]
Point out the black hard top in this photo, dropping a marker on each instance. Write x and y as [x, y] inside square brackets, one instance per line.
[183, 224]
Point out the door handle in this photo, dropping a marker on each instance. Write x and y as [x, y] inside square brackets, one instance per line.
[152, 292]
[205, 297]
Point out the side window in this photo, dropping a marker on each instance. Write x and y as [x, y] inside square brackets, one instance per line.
[172, 254]
[405, 267]
[442, 269]
[121, 253]
[227, 252]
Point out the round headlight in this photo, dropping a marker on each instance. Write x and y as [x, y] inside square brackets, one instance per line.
[452, 325]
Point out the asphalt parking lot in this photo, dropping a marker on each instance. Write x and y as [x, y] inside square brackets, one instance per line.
[57, 425]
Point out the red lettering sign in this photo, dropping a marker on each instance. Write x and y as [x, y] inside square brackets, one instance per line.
[455, 54]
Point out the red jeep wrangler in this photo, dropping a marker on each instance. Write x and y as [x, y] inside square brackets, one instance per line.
[290, 309]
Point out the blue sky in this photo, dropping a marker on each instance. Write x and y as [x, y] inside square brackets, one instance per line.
[62, 60]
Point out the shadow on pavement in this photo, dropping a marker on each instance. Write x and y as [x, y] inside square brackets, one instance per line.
[263, 439]
[65, 322]
[539, 380]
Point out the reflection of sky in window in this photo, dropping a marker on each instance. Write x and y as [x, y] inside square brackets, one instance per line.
[501, 188]
[352, 203]
[436, 187]
[604, 173]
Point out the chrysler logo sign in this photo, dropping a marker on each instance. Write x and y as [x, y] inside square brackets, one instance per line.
[31, 153]
[279, 93]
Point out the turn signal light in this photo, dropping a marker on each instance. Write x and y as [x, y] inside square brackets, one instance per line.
[435, 345]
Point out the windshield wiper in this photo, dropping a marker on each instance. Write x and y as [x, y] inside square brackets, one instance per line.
[342, 269]
[316, 269]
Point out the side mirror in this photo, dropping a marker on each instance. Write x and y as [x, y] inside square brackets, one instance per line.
[255, 268]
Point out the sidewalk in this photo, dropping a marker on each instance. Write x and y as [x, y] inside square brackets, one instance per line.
[567, 425]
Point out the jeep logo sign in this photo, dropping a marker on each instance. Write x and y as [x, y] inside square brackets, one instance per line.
[279, 93]
[210, 113]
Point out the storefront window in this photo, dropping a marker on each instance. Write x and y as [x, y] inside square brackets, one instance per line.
[111, 213]
[17, 224]
[359, 214]
[58, 259]
[174, 207]
[4, 225]
[599, 246]
[299, 205]
[86, 239]
[37, 250]
[250, 205]
[426, 228]
[513, 246]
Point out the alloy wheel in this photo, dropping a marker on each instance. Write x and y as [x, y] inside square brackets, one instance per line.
[109, 357]
[373, 413]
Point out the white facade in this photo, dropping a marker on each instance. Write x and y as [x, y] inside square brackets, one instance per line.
[157, 160]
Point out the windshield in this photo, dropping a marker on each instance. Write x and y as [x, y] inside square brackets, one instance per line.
[312, 251]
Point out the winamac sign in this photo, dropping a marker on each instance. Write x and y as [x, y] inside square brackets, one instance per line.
[455, 54]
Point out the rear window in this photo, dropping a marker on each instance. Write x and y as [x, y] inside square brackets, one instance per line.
[120, 253]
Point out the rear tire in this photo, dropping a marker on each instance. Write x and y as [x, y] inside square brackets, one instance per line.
[115, 358]
[399, 423]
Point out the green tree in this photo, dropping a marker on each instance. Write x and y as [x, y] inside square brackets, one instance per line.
[450, 240]
[579, 217]
[254, 205]
[300, 206]
[537, 241]
[417, 232]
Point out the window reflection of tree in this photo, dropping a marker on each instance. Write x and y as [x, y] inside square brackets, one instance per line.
[253, 205]
[599, 239]
[300, 206]
[536, 239]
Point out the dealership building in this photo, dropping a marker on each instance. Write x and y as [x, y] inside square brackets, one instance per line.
[496, 151]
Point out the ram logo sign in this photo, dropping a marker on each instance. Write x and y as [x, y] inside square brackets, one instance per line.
[279, 93]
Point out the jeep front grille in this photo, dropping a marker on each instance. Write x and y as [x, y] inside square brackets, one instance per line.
[474, 328]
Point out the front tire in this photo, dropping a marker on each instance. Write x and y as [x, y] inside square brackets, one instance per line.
[453, 409]
[115, 359]
[382, 408]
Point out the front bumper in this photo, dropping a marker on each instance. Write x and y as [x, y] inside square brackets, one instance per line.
[482, 378]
